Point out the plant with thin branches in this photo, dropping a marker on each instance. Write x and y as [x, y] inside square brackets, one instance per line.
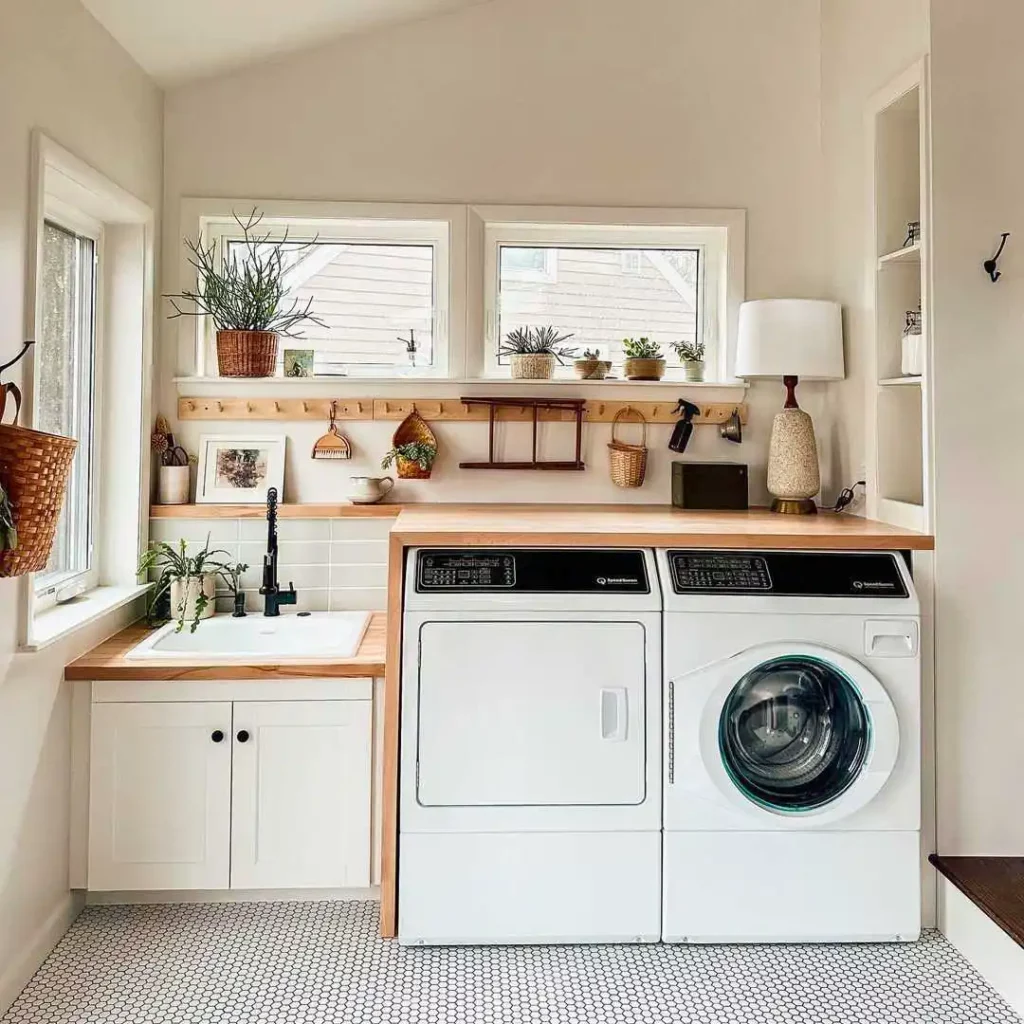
[247, 293]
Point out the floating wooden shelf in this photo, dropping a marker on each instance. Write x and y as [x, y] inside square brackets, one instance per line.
[443, 409]
[291, 511]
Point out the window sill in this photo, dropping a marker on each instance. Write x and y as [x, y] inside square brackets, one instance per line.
[62, 620]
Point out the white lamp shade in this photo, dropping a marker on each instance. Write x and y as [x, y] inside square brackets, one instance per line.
[790, 338]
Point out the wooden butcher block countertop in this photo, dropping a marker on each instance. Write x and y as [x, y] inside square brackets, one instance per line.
[645, 526]
[108, 662]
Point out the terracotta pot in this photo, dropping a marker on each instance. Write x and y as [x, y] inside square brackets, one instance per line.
[694, 369]
[533, 366]
[592, 369]
[644, 369]
[172, 486]
[190, 593]
[246, 353]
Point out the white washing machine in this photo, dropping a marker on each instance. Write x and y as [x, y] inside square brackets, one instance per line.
[792, 775]
[530, 780]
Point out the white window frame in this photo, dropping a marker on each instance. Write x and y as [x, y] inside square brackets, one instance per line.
[48, 586]
[720, 234]
[441, 226]
[548, 274]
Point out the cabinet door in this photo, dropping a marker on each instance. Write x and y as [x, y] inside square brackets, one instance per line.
[301, 794]
[160, 796]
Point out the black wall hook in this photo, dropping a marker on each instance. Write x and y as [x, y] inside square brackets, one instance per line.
[991, 265]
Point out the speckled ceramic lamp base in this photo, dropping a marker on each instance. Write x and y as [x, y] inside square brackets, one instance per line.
[793, 475]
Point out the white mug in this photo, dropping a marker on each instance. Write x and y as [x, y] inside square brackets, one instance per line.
[366, 490]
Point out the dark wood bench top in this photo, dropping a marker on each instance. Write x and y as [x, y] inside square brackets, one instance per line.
[993, 884]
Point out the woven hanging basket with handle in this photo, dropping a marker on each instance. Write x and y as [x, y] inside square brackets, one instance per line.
[412, 429]
[628, 462]
[34, 470]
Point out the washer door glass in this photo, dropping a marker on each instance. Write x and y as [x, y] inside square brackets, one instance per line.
[794, 733]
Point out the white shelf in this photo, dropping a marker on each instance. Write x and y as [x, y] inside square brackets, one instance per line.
[908, 254]
[896, 382]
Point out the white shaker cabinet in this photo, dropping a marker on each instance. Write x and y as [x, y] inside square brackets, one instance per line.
[160, 796]
[301, 795]
[239, 794]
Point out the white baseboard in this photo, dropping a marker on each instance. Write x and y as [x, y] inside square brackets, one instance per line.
[107, 899]
[38, 947]
[992, 953]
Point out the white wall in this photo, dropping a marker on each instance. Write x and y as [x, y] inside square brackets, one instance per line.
[978, 192]
[574, 102]
[61, 72]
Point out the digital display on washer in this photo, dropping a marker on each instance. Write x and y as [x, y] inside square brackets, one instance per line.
[693, 573]
[534, 570]
[787, 573]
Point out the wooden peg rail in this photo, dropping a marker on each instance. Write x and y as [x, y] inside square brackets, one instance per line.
[449, 409]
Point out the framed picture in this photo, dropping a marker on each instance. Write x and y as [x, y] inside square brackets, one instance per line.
[239, 470]
[298, 362]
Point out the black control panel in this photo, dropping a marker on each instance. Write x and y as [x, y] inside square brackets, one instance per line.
[787, 573]
[533, 570]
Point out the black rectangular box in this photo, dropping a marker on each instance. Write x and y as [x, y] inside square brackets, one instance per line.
[709, 485]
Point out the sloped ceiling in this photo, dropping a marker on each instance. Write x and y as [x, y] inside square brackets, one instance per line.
[177, 40]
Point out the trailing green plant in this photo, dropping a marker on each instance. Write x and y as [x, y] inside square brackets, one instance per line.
[537, 341]
[689, 351]
[246, 294]
[8, 531]
[172, 564]
[420, 452]
[641, 348]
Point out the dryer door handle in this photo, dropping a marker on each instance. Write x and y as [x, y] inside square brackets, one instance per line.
[614, 714]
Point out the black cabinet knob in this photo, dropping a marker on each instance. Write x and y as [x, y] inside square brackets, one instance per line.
[216, 736]
[243, 736]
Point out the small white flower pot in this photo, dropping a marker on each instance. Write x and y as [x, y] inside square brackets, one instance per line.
[694, 369]
[172, 485]
[180, 593]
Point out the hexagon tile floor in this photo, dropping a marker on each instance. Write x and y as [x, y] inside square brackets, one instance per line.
[322, 963]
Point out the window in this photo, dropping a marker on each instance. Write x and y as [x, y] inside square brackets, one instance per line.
[380, 288]
[65, 372]
[602, 279]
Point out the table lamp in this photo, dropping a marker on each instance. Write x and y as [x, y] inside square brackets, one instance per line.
[791, 338]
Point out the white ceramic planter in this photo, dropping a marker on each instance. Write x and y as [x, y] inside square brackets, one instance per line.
[189, 594]
[694, 369]
[172, 485]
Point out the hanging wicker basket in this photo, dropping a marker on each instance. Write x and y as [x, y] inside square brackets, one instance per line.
[246, 353]
[34, 470]
[413, 429]
[628, 462]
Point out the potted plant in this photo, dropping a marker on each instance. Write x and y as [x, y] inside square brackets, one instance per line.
[8, 531]
[415, 459]
[189, 580]
[246, 299]
[592, 366]
[173, 472]
[644, 360]
[691, 355]
[533, 352]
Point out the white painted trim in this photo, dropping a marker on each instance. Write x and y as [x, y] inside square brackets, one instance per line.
[189, 690]
[104, 899]
[992, 953]
[63, 619]
[38, 948]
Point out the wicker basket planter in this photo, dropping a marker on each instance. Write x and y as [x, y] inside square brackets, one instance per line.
[644, 369]
[34, 470]
[592, 369]
[414, 428]
[628, 462]
[533, 366]
[246, 353]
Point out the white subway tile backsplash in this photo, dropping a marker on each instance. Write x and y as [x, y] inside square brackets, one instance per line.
[306, 577]
[359, 552]
[289, 552]
[287, 529]
[374, 576]
[359, 599]
[173, 530]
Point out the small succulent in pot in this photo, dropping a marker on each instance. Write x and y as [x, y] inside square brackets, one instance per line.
[644, 359]
[591, 366]
[691, 355]
[533, 351]
[8, 531]
[190, 581]
[415, 459]
[246, 298]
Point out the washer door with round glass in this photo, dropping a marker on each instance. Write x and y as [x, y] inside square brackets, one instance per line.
[801, 731]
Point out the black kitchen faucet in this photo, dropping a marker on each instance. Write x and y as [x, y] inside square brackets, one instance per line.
[273, 596]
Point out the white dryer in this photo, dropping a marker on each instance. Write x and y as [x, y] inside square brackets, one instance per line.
[792, 730]
[530, 780]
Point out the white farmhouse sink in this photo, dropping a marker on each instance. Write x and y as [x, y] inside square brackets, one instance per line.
[324, 636]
